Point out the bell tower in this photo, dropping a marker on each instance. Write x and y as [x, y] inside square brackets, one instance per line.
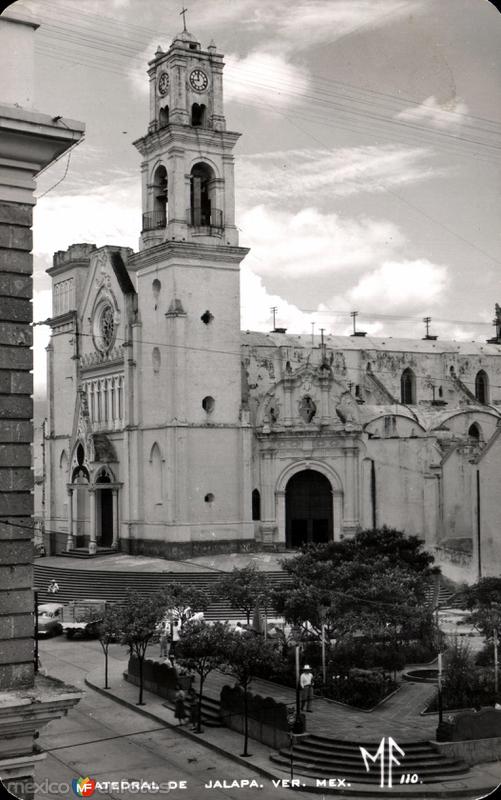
[188, 184]
[189, 437]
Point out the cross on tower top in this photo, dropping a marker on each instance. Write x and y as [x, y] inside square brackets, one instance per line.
[183, 14]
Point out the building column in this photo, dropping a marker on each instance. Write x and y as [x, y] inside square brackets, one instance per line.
[114, 543]
[288, 387]
[337, 514]
[92, 515]
[70, 541]
[280, 512]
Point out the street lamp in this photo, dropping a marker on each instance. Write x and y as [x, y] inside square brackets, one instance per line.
[440, 705]
[322, 612]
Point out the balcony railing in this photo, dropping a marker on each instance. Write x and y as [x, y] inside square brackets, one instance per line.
[153, 220]
[201, 218]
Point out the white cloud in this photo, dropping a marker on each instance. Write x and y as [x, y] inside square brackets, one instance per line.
[314, 172]
[265, 78]
[310, 243]
[402, 285]
[315, 21]
[445, 116]
[256, 303]
[109, 215]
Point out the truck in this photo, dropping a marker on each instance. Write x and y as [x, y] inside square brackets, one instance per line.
[81, 617]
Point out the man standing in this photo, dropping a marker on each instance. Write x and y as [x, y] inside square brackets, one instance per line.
[306, 684]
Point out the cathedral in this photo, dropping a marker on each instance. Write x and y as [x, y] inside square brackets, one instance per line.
[172, 433]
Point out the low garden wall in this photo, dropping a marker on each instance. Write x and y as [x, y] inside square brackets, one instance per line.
[267, 718]
[473, 751]
[473, 736]
[157, 677]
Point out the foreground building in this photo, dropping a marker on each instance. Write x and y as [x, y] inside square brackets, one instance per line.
[173, 433]
[29, 141]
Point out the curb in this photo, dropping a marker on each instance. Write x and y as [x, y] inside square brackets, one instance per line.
[360, 791]
[243, 762]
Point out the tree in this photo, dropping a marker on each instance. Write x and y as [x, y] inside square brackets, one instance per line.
[245, 589]
[176, 598]
[137, 621]
[108, 631]
[483, 600]
[245, 656]
[373, 586]
[201, 648]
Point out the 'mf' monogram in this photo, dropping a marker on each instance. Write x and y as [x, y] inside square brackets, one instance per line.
[386, 761]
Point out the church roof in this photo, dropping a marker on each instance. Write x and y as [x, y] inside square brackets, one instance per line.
[305, 340]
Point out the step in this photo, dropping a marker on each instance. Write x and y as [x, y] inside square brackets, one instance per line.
[361, 775]
[437, 760]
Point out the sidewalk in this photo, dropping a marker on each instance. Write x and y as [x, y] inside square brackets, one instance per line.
[481, 779]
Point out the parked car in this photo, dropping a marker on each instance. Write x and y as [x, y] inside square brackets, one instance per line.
[50, 616]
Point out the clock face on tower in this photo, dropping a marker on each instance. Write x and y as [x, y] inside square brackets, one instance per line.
[163, 83]
[199, 80]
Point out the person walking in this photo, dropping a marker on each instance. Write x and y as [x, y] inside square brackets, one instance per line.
[164, 637]
[179, 706]
[306, 685]
[174, 637]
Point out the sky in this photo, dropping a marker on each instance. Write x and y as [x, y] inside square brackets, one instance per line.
[368, 175]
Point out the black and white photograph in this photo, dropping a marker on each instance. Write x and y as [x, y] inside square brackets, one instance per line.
[250, 399]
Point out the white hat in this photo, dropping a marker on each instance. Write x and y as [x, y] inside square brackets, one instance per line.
[306, 666]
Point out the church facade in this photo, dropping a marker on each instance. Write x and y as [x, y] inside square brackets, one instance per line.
[172, 433]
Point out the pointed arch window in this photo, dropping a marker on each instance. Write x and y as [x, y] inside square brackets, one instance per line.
[156, 466]
[408, 387]
[475, 432]
[482, 387]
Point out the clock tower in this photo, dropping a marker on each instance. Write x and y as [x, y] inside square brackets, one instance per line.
[188, 185]
[188, 424]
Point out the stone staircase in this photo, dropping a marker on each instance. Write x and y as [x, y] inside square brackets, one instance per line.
[322, 757]
[81, 584]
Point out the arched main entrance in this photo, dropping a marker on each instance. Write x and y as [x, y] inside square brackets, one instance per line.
[308, 509]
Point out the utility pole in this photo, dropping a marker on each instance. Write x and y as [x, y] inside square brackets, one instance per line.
[354, 315]
[274, 310]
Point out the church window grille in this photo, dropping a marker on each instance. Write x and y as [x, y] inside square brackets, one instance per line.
[156, 359]
[107, 327]
[408, 387]
[307, 408]
[208, 404]
[482, 387]
[256, 505]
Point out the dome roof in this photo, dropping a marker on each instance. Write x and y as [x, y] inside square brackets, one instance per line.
[185, 36]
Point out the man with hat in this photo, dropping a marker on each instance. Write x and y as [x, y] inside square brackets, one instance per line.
[306, 684]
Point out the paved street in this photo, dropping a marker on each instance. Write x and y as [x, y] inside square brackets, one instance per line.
[107, 742]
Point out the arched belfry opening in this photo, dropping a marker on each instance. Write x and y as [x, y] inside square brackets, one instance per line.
[308, 509]
[158, 216]
[202, 212]
[482, 387]
[163, 117]
[198, 115]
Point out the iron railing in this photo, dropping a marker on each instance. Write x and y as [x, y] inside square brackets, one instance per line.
[153, 220]
[203, 218]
